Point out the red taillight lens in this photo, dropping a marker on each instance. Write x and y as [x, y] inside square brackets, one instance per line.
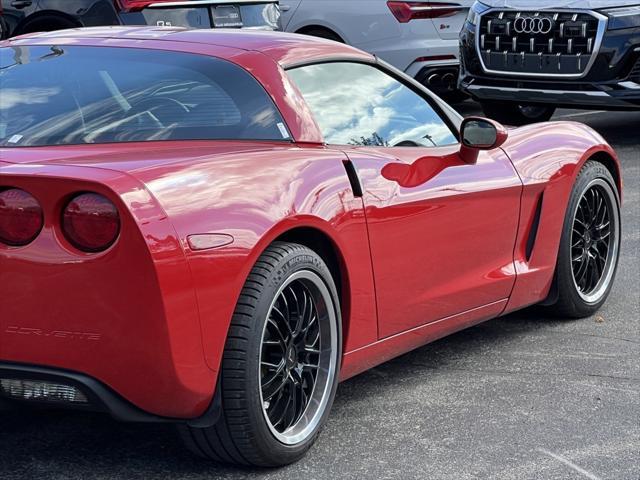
[21, 217]
[137, 5]
[91, 222]
[407, 11]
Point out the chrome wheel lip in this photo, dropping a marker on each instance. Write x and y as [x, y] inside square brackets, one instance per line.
[307, 424]
[603, 284]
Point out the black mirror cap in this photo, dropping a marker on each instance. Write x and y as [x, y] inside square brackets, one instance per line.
[482, 133]
[476, 134]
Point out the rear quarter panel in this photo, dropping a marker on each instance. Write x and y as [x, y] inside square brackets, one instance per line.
[255, 198]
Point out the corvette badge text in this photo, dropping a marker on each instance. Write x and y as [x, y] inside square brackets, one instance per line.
[38, 332]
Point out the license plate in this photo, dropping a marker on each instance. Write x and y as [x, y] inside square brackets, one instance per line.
[177, 17]
[226, 16]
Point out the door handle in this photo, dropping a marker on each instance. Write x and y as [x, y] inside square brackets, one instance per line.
[285, 8]
[21, 3]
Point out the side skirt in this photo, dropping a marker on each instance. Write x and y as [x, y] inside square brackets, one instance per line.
[362, 359]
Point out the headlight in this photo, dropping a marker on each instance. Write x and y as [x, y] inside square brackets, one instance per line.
[475, 11]
[623, 17]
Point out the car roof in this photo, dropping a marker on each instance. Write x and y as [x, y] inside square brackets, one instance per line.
[285, 48]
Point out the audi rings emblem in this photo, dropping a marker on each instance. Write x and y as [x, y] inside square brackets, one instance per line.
[533, 25]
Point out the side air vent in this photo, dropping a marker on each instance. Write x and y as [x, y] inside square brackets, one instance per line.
[533, 233]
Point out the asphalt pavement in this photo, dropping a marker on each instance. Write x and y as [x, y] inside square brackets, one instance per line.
[520, 397]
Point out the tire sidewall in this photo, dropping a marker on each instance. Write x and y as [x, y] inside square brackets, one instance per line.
[300, 259]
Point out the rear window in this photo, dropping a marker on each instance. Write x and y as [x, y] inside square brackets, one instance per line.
[60, 95]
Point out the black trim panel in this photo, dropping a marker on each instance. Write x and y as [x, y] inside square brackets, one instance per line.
[354, 179]
[101, 397]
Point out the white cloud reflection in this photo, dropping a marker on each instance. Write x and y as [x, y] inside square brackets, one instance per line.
[10, 97]
[356, 104]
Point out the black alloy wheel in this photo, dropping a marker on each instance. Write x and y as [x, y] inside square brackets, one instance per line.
[590, 243]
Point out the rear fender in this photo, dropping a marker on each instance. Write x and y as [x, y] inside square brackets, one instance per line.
[253, 201]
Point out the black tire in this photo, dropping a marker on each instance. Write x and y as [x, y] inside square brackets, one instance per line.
[48, 24]
[322, 33]
[573, 300]
[517, 114]
[245, 435]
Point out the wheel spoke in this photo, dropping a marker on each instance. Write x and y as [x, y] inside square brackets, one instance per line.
[580, 223]
[284, 409]
[582, 270]
[268, 396]
[275, 326]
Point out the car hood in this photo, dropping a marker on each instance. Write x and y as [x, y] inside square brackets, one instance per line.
[542, 4]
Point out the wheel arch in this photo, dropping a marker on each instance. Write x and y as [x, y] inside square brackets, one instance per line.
[304, 30]
[611, 164]
[325, 246]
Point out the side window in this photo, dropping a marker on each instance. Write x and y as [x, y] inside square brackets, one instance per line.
[358, 104]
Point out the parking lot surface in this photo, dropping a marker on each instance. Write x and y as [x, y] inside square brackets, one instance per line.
[520, 397]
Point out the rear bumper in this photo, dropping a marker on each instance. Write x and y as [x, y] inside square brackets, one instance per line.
[99, 397]
[257, 15]
[126, 317]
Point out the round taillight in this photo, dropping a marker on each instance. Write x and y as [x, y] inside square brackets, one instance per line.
[21, 217]
[91, 222]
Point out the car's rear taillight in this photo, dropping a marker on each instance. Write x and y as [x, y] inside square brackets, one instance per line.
[137, 5]
[21, 217]
[90, 222]
[407, 11]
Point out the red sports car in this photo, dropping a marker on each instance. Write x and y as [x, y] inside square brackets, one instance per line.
[213, 228]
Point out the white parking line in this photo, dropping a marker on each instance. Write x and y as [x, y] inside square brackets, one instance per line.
[569, 464]
[582, 114]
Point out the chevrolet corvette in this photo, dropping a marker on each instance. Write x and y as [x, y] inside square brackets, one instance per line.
[213, 228]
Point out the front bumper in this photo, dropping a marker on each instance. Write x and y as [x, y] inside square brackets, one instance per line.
[620, 96]
[609, 81]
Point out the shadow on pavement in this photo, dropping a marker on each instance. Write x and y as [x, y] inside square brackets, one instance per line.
[51, 444]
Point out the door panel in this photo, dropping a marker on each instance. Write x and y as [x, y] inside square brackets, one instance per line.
[441, 235]
[441, 231]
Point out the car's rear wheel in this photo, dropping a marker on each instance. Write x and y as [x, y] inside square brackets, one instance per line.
[280, 364]
[517, 114]
[590, 244]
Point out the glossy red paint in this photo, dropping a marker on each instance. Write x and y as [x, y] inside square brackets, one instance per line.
[548, 159]
[461, 225]
[435, 244]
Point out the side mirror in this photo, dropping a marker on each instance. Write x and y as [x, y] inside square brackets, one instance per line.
[480, 134]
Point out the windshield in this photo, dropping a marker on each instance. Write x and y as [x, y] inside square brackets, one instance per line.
[59, 95]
